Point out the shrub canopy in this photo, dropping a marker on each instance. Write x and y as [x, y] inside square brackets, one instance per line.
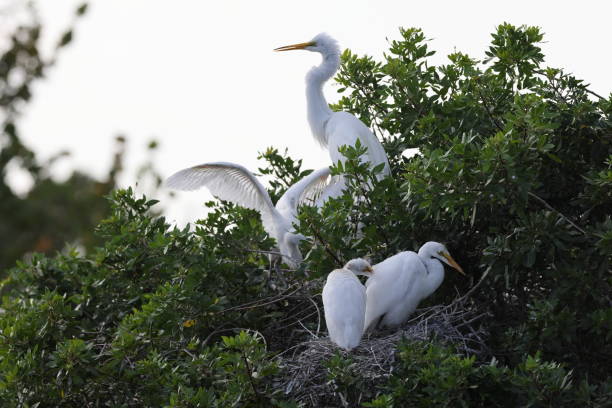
[514, 174]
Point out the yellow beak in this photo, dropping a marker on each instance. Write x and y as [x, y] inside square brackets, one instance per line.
[299, 46]
[369, 269]
[452, 262]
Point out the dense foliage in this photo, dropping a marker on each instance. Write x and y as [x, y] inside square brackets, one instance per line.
[514, 174]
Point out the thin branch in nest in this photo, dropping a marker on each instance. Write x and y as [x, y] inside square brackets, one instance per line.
[318, 316]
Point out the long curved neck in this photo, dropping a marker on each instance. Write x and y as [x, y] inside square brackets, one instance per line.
[435, 275]
[318, 109]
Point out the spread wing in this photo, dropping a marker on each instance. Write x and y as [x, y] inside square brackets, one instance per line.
[229, 182]
[334, 188]
[315, 183]
[305, 191]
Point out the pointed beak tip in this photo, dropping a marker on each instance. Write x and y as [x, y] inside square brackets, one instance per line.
[299, 46]
[285, 48]
[454, 264]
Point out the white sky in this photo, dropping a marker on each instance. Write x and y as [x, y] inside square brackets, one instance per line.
[202, 79]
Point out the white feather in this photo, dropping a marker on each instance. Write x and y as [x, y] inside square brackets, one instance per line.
[230, 182]
[344, 299]
[320, 182]
[334, 129]
[401, 282]
[304, 191]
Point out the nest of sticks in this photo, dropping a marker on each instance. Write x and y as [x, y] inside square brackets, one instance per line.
[305, 376]
[304, 349]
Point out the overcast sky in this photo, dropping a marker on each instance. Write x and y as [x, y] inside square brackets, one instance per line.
[201, 77]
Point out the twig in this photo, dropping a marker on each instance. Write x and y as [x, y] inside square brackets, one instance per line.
[261, 251]
[594, 93]
[189, 353]
[306, 328]
[256, 303]
[439, 309]
[235, 329]
[469, 292]
[326, 245]
[486, 105]
[550, 207]
[473, 319]
[250, 375]
[541, 72]
[291, 324]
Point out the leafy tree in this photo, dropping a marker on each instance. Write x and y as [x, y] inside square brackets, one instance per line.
[514, 174]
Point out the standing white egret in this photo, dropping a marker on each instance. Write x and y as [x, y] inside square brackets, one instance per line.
[232, 182]
[400, 282]
[334, 129]
[344, 303]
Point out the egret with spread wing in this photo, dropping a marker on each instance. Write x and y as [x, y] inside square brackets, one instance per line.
[400, 282]
[344, 303]
[232, 182]
[334, 129]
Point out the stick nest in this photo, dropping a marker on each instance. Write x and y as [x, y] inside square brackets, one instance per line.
[305, 376]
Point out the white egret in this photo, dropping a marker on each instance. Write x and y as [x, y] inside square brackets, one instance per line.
[232, 182]
[400, 282]
[334, 129]
[344, 303]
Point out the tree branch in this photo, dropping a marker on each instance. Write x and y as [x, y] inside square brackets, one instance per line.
[550, 207]
[250, 375]
[317, 236]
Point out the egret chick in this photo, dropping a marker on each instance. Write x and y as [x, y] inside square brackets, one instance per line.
[400, 282]
[344, 303]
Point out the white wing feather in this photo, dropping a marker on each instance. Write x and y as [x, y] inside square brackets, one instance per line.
[334, 188]
[304, 191]
[230, 182]
[315, 186]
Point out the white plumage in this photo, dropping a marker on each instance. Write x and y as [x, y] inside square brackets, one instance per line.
[400, 282]
[232, 182]
[334, 129]
[344, 303]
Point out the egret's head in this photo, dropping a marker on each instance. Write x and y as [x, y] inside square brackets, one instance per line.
[439, 251]
[359, 266]
[321, 43]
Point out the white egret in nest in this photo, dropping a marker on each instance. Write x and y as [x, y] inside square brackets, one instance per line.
[344, 303]
[400, 282]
